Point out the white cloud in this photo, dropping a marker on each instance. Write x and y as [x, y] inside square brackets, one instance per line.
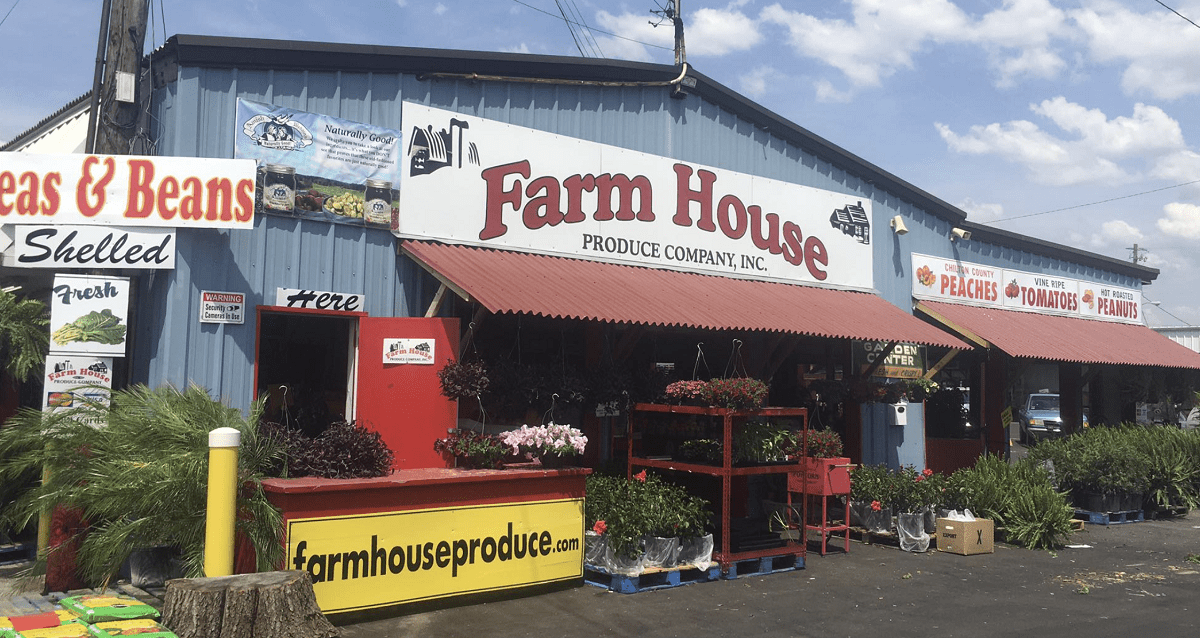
[980, 212]
[826, 92]
[1095, 153]
[1182, 220]
[1119, 231]
[880, 40]
[754, 83]
[401, 3]
[1158, 47]
[440, 9]
[634, 29]
[520, 48]
[708, 32]
[883, 36]
[1180, 166]
[719, 31]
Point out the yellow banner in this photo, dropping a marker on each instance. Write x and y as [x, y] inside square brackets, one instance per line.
[372, 560]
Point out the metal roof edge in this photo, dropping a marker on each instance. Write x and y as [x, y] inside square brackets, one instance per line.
[252, 52]
[1050, 249]
[50, 121]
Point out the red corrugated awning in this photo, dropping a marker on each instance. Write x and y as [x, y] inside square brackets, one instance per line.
[1036, 336]
[523, 283]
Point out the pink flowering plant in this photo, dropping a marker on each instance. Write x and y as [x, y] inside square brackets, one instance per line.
[551, 439]
[688, 392]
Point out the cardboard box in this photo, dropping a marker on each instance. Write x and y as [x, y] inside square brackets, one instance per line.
[966, 537]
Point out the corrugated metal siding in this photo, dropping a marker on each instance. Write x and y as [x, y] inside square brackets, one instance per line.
[174, 347]
[1188, 337]
[195, 117]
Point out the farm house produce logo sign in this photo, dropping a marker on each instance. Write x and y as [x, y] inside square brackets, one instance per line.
[89, 315]
[126, 190]
[961, 282]
[470, 180]
[72, 379]
[373, 560]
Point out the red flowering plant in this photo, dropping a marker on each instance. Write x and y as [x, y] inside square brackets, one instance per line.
[740, 393]
[919, 490]
[822, 444]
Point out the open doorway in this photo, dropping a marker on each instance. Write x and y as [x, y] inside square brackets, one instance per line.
[305, 365]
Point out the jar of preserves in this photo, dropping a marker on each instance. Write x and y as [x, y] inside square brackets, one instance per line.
[378, 207]
[279, 187]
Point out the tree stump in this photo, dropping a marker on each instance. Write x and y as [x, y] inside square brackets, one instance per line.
[266, 605]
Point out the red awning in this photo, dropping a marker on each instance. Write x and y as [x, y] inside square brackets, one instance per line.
[1036, 336]
[523, 283]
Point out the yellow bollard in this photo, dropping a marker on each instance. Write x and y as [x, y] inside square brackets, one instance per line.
[222, 501]
[44, 520]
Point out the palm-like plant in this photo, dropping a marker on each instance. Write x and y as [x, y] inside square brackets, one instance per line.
[137, 470]
[24, 336]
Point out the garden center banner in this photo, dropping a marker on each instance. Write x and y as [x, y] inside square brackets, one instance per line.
[319, 167]
[961, 282]
[470, 180]
[378, 559]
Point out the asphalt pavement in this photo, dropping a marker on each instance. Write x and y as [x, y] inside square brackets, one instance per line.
[1118, 581]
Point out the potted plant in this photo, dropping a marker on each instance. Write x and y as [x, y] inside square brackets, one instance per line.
[740, 393]
[759, 441]
[823, 469]
[873, 489]
[473, 450]
[463, 379]
[687, 393]
[554, 445]
[706, 451]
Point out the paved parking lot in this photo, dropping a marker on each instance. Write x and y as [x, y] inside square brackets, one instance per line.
[1130, 579]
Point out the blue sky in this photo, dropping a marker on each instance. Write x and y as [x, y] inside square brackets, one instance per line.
[1005, 108]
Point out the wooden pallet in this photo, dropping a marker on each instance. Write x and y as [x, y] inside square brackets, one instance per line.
[1111, 518]
[648, 580]
[763, 566]
[17, 553]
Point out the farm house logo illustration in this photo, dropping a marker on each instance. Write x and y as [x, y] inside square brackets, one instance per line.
[429, 150]
[279, 132]
[853, 221]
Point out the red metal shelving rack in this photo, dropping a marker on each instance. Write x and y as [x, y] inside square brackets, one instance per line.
[726, 471]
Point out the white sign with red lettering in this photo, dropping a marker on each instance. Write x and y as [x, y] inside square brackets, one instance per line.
[222, 307]
[126, 190]
[470, 180]
[940, 279]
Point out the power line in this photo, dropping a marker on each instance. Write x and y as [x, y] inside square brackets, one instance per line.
[1158, 304]
[1103, 201]
[1178, 14]
[10, 10]
[657, 46]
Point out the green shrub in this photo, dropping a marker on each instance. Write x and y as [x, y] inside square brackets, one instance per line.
[646, 504]
[137, 471]
[1018, 497]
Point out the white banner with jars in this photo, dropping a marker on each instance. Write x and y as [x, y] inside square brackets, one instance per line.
[940, 279]
[319, 167]
[476, 181]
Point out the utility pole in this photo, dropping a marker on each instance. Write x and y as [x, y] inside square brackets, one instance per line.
[116, 105]
[1136, 253]
[674, 12]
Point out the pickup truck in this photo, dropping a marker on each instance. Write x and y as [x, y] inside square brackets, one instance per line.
[1041, 418]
